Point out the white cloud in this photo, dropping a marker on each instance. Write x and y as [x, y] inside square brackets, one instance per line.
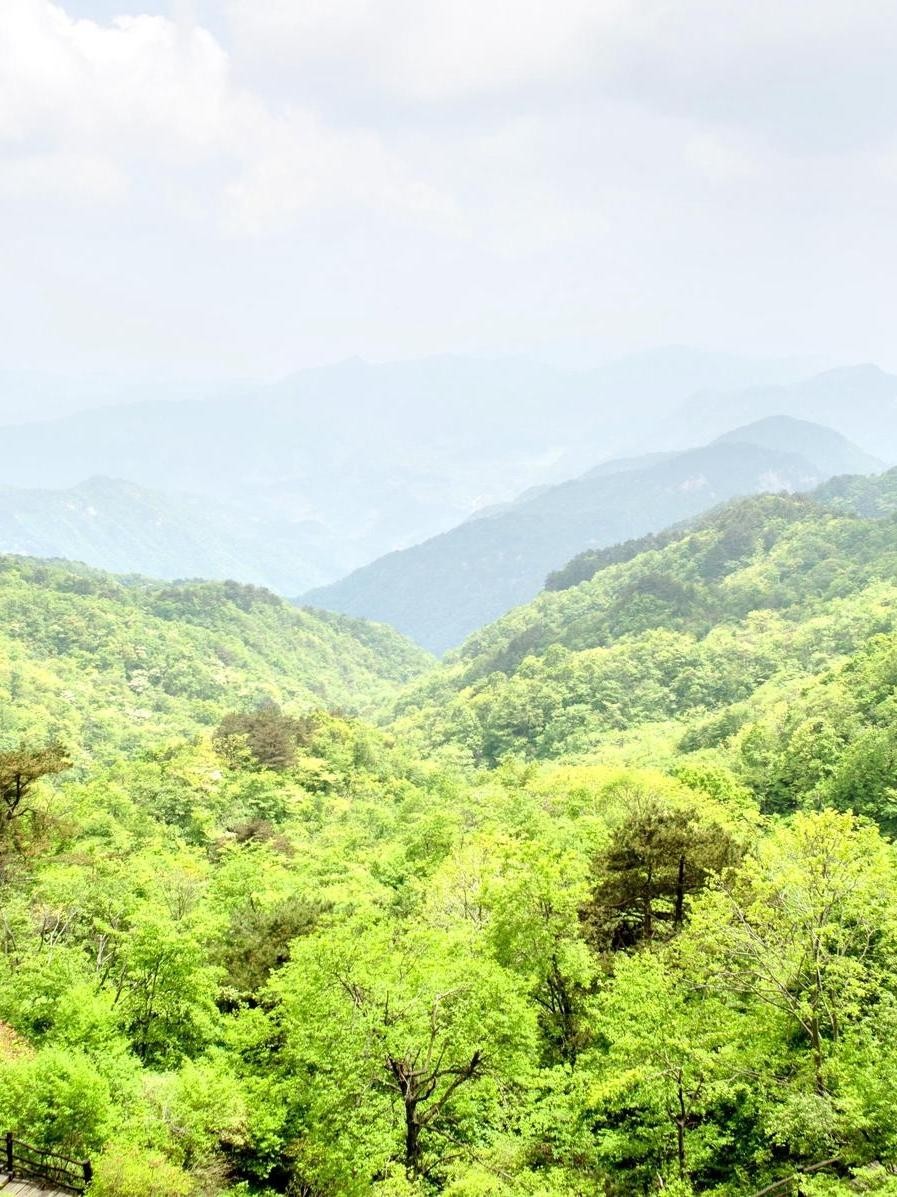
[723, 161]
[295, 165]
[154, 100]
[808, 72]
[294, 179]
[142, 80]
[440, 50]
[69, 177]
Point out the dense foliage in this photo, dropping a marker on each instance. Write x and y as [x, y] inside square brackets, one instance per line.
[106, 664]
[716, 625]
[606, 905]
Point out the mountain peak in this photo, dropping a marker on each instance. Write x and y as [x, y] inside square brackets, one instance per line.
[827, 449]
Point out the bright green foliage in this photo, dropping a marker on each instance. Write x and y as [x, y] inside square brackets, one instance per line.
[56, 1100]
[607, 909]
[397, 1046]
[120, 1172]
[111, 665]
[728, 638]
[807, 927]
[20, 768]
[671, 1086]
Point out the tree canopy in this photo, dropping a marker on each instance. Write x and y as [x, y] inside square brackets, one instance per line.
[603, 904]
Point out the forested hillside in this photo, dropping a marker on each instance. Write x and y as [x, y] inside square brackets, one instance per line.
[448, 598]
[113, 664]
[718, 621]
[440, 591]
[603, 904]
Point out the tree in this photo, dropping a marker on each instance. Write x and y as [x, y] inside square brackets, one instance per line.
[57, 1100]
[380, 1022]
[164, 990]
[671, 1075]
[426, 1084]
[658, 856]
[257, 940]
[125, 1170]
[535, 929]
[807, 928]
[270, 736]
[865, 780]
[20, 768]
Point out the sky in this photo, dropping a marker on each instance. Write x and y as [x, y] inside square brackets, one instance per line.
[240, 188]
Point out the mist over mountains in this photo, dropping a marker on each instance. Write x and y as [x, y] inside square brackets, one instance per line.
[299, 484]
[860, 402]
[377, 456]
[442, 590]
[124, 528]
[466, 769]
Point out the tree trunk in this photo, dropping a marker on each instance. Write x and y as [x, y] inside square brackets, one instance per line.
[679, 911]
[816, 1044]
[412, 1136]
[681, 1122]
[648, 906]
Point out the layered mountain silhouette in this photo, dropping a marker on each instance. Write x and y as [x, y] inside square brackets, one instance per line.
[440, 591]
[377, 456]
[125, 528]
[858, 401]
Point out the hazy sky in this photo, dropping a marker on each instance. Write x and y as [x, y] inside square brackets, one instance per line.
[248, 186]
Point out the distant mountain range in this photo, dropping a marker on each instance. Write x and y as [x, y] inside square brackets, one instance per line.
[118, 526]
[366, 457]
[440, 591]
[859, 401]
[297, 484]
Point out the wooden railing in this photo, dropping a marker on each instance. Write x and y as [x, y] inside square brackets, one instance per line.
[49, 1167]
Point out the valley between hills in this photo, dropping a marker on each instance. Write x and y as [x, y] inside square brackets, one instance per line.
[599, 900]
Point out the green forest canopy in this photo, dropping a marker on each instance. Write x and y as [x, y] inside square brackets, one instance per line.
[604, 904]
